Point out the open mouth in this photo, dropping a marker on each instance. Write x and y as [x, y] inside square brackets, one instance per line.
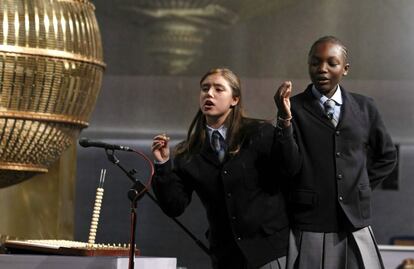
[322, 80]
[208, 104]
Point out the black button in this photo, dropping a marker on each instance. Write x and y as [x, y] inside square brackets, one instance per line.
[338, 154]
[225, 172]
[337, 133]
[239, 238]
[341, 198]
[339, 176]
[233, 218]
[229, 194]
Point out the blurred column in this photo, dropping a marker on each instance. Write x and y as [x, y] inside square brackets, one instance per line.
[43, 207]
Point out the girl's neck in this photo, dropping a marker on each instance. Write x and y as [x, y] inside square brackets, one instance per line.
[215, 124]
[330, 93]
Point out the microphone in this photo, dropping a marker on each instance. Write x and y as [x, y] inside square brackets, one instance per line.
[85, 142]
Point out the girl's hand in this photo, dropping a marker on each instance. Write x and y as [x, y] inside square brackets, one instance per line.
[160, 148]
[282, 100]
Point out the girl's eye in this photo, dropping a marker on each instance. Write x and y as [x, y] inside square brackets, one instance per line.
[314, 62]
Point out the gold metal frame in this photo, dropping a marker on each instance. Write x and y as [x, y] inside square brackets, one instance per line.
[51, 68]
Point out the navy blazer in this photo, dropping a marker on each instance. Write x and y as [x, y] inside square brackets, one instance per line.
[242, 197]
[335, 169]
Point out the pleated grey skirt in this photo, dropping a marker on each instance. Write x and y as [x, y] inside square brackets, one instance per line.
[343, 250]
[276, 264]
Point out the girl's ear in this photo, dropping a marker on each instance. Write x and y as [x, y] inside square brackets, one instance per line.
[346, 69]
[234, 102]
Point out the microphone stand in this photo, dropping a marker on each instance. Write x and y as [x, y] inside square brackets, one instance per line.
[134, 197]
[135, 193]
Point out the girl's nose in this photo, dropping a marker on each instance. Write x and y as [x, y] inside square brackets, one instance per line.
[322, 67]
[210, 91]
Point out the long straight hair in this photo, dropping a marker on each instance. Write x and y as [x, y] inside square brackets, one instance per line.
[196, 133]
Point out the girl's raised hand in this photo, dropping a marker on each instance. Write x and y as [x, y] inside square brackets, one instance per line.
[160, 148]
[282, 100]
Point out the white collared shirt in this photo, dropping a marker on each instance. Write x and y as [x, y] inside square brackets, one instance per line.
[222, 130]
[337, 97]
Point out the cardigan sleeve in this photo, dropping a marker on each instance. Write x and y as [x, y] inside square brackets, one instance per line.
[382, 154]
[171, 188]
[286, 145]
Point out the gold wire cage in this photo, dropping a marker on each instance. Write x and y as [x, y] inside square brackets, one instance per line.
[51, 67]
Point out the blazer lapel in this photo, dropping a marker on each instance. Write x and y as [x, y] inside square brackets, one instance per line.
[311, 104]
[349, 110]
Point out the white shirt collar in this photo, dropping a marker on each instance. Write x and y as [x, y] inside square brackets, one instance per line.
[222, 130]
[337, 97]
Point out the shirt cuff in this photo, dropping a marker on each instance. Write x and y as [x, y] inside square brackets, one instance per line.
[161, 162]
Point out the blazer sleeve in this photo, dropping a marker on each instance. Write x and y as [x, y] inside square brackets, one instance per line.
[289, 158]
[381, 152]
[171, 188]
[277, 147]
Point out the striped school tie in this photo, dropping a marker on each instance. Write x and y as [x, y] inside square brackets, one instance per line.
[329, 106]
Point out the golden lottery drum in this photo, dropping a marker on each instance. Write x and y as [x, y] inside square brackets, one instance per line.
[51, 68]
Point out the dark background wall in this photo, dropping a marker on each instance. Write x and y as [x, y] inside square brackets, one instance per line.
[138, 100]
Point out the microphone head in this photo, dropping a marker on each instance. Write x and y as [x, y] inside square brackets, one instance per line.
[84, 142]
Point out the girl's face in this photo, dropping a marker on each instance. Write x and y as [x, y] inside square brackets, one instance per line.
[327, 66]
[216, 99]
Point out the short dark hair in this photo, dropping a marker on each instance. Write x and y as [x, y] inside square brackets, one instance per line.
[330, 39]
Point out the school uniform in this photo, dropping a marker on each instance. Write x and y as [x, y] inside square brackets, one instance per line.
[245, 208]
[334, 169]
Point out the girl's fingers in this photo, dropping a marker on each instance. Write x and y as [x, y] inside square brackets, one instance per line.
[287, 92]
[157, 145]
[162, 137]
[287, 89]
[286, 85]
[160, 140]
